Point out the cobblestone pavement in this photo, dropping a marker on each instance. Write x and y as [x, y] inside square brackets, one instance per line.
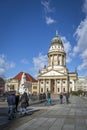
[72, 116]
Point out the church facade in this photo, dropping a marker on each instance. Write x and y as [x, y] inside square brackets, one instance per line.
[55, 77]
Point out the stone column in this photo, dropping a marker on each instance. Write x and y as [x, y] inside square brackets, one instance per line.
[68, 83]
[64, 60]
[49, 84]
[61, 59]
[44, 85]
[53, 60]
[49, 60]
[61, 85]
[55, 89]
[39, 86]
[74, 85]
[57, 59]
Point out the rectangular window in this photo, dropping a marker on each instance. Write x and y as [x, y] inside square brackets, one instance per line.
[58, 89]
[41, 90]
[63, 89]
[12, 87]
[34, 87]
[58, 62]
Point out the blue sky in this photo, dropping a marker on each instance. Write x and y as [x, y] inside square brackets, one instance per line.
[27, 28]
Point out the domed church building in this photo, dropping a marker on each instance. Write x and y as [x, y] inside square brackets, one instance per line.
[55, 77]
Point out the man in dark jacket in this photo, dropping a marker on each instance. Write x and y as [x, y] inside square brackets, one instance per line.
[61, 98]
[11, 105]
[17, 96]
[11, 99]
[67, 98]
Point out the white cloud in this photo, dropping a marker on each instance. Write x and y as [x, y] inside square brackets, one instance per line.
[85, 7]
[24, 61]
[9, 65]
[49, 20]
[84, 54]
[67, 45]
[2, 71]
[84, 60]
[67, 48]
[47, 9]
[5, 65]
[81, 38]
[82, 66]
[2, 61]
[39, 63]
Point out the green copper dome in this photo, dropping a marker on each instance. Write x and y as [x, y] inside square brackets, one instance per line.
[56, 39]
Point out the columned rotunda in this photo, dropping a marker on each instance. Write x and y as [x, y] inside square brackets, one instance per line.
[55, 77]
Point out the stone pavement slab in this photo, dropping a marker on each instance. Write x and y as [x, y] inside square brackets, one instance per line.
[71, 116]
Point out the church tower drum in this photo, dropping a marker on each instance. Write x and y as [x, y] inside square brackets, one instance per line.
[56, 54]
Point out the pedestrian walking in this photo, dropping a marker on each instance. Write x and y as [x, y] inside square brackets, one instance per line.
[17, 98]
[11, 98]
[24, 102]
[48, 97]
[11, 105]
[67, 98]
[61, 98]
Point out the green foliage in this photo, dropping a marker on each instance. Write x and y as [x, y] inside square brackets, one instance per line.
[74, 93]
[80, 92]
[77, 93]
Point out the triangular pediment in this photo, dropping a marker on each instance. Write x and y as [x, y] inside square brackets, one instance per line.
[53, 73]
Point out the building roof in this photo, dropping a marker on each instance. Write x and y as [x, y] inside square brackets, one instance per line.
[28, 77]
